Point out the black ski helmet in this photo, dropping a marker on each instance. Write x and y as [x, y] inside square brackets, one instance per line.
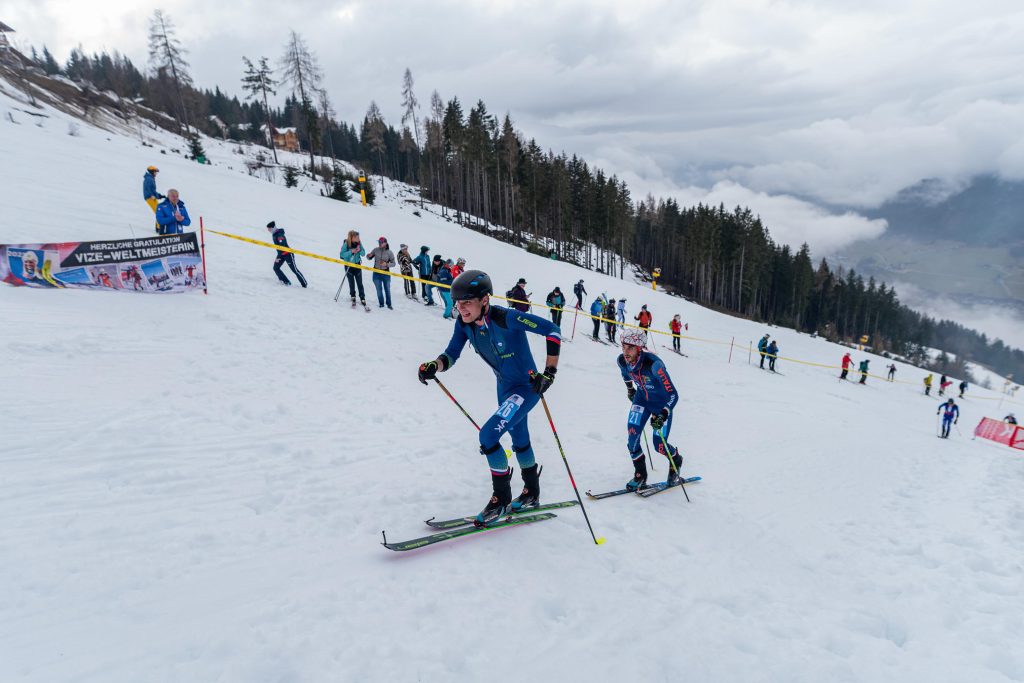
[472, 284]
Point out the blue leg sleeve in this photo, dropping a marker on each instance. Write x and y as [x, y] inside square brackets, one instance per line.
[634, 429]
[510, 417]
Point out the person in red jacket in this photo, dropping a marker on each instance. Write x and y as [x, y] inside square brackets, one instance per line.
[677, 328]
[644, 317]
[847, 362]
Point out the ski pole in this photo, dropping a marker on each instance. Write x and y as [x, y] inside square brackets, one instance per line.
[508, 454]
[597, 541]
[672, 462]
[342, 284]
[577, 315]
[459, 405]
[647, 447]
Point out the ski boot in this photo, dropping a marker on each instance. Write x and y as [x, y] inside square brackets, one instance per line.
[674, 472]
[530, 497]
[639, 480]
[353, 302]
[500, 503]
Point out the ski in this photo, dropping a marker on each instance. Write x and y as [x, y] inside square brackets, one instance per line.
[680, 353]
[662, 486]
[451, 534]
[463, 521]
[656, 487]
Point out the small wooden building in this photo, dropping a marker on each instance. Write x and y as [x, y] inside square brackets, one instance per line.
[284, 138]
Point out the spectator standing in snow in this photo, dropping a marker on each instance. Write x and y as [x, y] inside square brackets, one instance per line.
[644, 318]
[556, 300]
[596, 312]
[283, 257]
[847, 362]
[620, 312]
[892, 372]
[963, 388]
[609, 313]
[762, 348]
[383, 258]
[444, 277]
[405, 265]
[863, 372]
[676, 326]
[773, 355]
[928, 384]
[458, 268]
[521, 300]
[352, 251]
[579, 291]
[171, 215]
[422, 262]
[149, 193]
[943, 384]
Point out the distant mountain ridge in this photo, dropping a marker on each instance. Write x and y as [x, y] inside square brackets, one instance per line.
[989, 212]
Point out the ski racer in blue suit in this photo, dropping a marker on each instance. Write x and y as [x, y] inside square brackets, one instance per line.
[950, 415]
[498, 335]
[654, 396]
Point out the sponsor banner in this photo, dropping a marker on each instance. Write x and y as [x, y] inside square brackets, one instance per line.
[1000, 432]
[170, 263]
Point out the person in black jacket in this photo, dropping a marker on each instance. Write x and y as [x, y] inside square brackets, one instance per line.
[283, 257]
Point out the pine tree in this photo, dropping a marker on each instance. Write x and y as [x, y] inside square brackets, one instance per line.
[300, 68]
[291, 176]
[195, 147]
[373, 135]
[50, 65]
[340, 185]
[166, 54]
[258, 82]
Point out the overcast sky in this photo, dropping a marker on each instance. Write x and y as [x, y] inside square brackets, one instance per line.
[793, 108]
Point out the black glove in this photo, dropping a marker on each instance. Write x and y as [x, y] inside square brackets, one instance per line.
[541, 381]
[427, 371]
[657, 421]
[630, 390]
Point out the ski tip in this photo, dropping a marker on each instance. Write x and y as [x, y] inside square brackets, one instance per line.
[601, 540]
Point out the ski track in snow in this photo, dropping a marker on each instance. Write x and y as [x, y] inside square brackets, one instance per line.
[194, 487]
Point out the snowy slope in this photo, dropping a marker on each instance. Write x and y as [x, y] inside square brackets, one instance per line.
[194, 487]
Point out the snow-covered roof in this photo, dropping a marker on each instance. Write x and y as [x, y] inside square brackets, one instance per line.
[4, 28]
[280, 130]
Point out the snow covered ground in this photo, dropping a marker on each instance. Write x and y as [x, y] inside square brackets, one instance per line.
[194, 487]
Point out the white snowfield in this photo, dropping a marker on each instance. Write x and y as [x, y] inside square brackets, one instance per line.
[193, 488]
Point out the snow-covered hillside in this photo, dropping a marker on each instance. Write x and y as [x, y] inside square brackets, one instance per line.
[193, 487]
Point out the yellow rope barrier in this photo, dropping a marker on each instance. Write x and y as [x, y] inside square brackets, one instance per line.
[539, 305]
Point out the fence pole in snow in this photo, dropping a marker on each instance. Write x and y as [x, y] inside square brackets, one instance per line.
[202, 249]
[750, 351]
[597, 541]
[731, 342]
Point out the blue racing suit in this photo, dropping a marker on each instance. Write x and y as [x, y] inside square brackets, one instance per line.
[501, 343]
[950, 413]
[654, 393]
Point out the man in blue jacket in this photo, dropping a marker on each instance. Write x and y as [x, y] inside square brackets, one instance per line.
[498, 335]
[171, 215]
[596, 311]
[762, 348]
[422, 263]
[654, 396]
